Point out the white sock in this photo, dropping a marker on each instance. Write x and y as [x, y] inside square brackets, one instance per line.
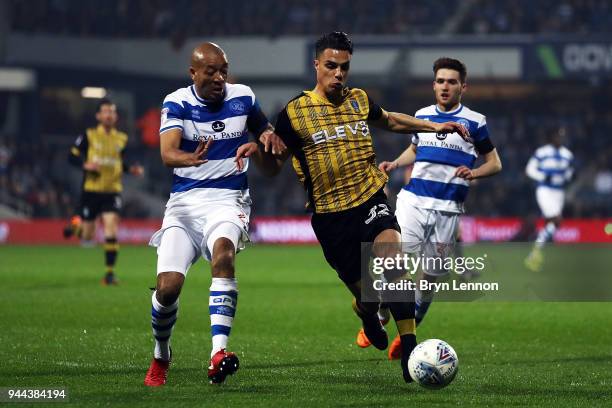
[222, 308]
[163, 319]
[546, 234]
[423, 300]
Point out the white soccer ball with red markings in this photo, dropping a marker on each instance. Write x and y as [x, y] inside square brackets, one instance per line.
[433, 364]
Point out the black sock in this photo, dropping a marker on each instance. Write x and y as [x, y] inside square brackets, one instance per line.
[403, 313]
[365, 309]
[111, 248]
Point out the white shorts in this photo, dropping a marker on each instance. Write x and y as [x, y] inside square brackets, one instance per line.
[202, 223]
[431, 233]
[550, 200]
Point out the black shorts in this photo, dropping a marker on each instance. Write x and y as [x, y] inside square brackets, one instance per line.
[93, 204]
[341, 233]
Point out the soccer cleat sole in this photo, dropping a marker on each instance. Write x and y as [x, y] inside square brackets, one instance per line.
[228, 366]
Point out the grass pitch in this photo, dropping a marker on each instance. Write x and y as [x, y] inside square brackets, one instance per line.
[294, 333]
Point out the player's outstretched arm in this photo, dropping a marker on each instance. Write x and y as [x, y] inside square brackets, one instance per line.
[532, 170]
[402, 123]
[491, 166]
[134, 169]
[407, 158]
[244, 151]
[270, 165]
[173, 156]
[271, 152]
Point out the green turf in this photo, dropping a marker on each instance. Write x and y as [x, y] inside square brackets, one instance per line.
[294, 334]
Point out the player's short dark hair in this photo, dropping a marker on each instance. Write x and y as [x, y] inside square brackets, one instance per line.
[451, 63]
[337, 40]
[102, 102]
[554, 132]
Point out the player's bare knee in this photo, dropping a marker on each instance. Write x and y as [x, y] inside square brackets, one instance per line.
[87, 236]
[224, 254]
[223, 264]
[387, 244]
[167, 295]
[87, 231]
[169, 286]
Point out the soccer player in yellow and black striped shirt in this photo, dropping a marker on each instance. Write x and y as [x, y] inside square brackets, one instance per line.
[327, 132]
[99, 152]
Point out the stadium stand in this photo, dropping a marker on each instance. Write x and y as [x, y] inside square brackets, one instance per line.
[550, 17]
[186, 18]
[39, 187]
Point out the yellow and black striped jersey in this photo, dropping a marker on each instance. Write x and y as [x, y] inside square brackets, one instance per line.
[332, 148]
[106, 149]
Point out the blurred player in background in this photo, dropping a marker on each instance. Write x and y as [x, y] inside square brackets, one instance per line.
[99, 153]
[428, 207]
[551, 167]
[326, 130]
[204, 138]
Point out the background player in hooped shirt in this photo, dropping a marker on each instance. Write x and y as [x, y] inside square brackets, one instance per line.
[428, 207]
[204, 138]
[551, 167]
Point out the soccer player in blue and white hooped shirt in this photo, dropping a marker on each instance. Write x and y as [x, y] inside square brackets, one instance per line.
[428, 207]
[551, 167]
[204, 137]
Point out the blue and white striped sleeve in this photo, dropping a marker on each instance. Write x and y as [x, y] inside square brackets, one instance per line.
[257, 121]
[171, 116]
[482, 132]
[482, 142]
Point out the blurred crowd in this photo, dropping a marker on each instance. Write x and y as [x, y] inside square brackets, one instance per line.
[517, 130]
[182, 19]
[33, 177]
[190, 18]
[36, 175]
[37, 180]
[542, 16]
[27, 180]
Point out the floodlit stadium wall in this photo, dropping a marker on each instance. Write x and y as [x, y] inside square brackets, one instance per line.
[510, 57]
[297, 230]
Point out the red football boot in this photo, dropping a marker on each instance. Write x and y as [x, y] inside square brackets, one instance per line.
[222, 364]
[157, 374]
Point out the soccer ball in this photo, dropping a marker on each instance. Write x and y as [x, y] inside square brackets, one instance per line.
[433, 364]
